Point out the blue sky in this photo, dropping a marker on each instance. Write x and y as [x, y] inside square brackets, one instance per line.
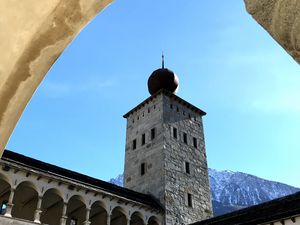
[227, 65]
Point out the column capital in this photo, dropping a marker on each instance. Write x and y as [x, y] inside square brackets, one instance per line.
[37, 216]
[9, 207]
[86, 223]
[63, 220]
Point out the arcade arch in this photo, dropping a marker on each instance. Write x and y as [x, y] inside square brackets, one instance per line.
[153, 221]
[118, 216]
[98, 214]
[76, 210]
[25, 201]
[52, 207]
[137, 219]
[5, 190]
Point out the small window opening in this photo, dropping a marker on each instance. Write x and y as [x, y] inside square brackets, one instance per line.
[149, 110]
[187, 168]
[185, 138]
[143, 114]
[190, 200]
[138, 117]
[134, 144]
[143, 169]
[177, 109]
[174, 132]
[152, 133]
[189, 116]
[154, 106]
[133, 121]
[195, 142]
[143, 139]
[171, 106]
[183, 113]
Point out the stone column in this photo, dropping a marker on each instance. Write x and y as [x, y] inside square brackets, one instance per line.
[128, 220]
[108, 219]
[38, 211]
[10, 204]
[64, 217]
[87, 217]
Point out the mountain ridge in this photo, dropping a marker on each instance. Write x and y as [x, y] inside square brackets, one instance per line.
[231, 191]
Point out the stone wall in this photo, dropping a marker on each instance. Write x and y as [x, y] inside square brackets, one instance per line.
[138, 123]
[178, 151]
[165, 158]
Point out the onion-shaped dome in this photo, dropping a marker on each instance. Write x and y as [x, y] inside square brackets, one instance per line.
[163, 78]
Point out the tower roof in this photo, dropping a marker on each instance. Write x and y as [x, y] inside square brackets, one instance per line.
[163, 78]
[171, 95]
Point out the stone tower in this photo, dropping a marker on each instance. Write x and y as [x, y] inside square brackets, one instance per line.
[165, 152]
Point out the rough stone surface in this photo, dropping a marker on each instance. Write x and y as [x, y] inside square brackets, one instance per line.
[165, 156]
[281, 18]
[33, 35]
[13, 221]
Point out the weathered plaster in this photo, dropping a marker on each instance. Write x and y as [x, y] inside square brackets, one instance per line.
[33, 35]
[281, 18]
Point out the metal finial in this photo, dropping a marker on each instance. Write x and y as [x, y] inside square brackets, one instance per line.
[162, 61]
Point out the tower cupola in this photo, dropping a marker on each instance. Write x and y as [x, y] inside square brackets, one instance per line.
[163, 78]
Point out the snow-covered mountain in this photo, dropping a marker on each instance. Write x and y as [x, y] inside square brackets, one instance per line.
[235, 190]
[118, 180]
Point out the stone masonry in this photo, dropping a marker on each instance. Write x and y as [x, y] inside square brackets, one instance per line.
[169, 162]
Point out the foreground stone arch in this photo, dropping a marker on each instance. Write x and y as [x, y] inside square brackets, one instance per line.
[33, 35]
[281, 18]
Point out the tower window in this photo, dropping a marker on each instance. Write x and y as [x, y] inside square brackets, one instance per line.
[189, 200]
[185, 138]
[187, 168]
[143, 139]
[134, 144]
[177, 109]
[143, 169]
[175, 132]
[152, 133]
[171, 106]
[195, 142]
